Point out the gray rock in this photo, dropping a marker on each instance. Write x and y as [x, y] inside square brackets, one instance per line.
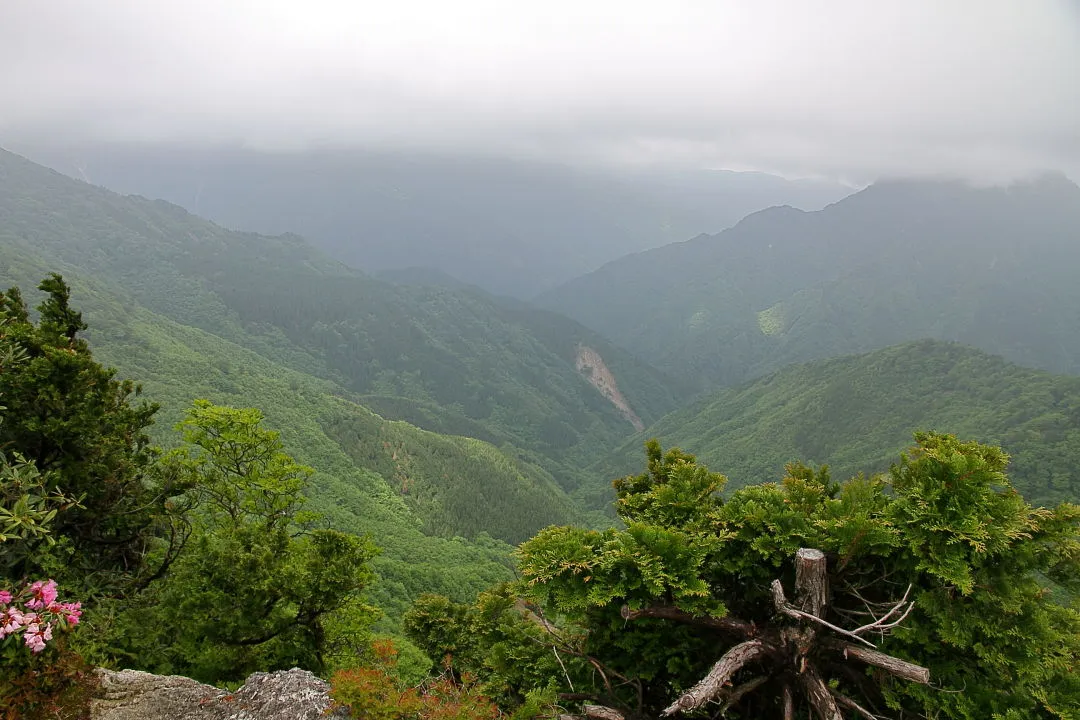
[282, 695]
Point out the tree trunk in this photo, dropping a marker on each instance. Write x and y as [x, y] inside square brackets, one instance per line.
[811, 581]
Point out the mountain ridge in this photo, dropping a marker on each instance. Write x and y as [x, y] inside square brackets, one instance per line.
[893, 262]
[511, 227]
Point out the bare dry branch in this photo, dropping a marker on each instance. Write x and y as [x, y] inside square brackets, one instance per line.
[711, 685]
[881, 624]
[895, 666]
[669, 612]
[782, 606]
[789, 703]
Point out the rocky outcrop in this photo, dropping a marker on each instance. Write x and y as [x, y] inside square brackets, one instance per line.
[282, 695]
[593, 368]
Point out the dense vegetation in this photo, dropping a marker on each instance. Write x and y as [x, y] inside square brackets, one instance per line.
[200, 560]
[176, 364]
[503, 366]
[856, 413]
[919, 593]
[902, 260]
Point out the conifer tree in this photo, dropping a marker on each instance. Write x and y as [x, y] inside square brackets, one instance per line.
[85, 433]
[931, 591]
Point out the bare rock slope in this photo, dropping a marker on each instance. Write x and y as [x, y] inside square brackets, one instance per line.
[282, 695]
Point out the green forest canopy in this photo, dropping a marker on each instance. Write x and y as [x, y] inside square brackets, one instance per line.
[856, 413]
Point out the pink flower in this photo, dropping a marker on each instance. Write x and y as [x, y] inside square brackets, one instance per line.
[34, 611]
[73, 612]
[10, 621]
[36, 636]
[43, 594]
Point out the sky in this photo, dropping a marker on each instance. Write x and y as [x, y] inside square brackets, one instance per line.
[854, 89]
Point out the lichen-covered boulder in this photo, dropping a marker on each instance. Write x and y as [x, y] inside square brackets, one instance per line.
[282, 695]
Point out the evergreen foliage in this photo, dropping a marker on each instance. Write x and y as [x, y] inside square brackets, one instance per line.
[634, 618]
[85, 435]
[177, 364]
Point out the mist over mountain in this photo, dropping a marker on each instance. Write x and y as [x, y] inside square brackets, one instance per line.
[512, 227]
[990, 267]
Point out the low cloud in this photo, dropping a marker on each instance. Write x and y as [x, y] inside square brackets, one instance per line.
[847, 88]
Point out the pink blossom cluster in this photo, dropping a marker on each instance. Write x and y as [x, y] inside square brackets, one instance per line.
[33, 612]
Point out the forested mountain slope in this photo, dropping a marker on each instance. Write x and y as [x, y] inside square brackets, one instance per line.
[511, 227]
[177, 363]
[992, 267]
[455, 361]
[856, 413]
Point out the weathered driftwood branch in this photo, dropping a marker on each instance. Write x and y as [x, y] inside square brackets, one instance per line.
[593, 712]
[670, 612]
[893, 665]
[817, 692]
[798, 643]
[711, 685]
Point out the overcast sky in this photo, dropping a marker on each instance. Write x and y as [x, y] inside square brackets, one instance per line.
[847, 88]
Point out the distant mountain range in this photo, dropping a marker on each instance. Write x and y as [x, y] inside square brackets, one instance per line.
[994, 268]
[857, 413]
[511, 227]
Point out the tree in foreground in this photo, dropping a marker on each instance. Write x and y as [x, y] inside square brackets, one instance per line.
[84, 434]
[257, 586]
[926, 592]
